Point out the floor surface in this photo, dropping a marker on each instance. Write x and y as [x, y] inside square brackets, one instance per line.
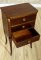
[21, 1]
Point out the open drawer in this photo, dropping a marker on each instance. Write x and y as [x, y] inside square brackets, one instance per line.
[25, 36]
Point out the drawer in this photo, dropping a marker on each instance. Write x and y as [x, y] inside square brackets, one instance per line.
[22, 20]
[25, 36]
[23, 26]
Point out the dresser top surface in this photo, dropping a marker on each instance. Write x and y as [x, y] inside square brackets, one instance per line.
[19, 10]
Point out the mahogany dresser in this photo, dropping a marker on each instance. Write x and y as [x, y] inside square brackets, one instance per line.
[18, 22]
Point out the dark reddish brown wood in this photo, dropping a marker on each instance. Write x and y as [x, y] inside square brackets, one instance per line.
[22, 26]
[25, 19]
[26, 36]
[20, 22]
[19, 10]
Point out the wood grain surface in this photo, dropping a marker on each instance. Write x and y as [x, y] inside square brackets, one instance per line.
[24, 52]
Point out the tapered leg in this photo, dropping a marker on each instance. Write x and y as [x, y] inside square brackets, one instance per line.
[6, 40]
[31, 45]
[10, 40]
[5, 37]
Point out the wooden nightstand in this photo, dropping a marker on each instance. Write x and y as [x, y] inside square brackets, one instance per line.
[18, 23]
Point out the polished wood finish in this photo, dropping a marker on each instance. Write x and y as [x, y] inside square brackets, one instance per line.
[19, 10]
[25, 36]
[20, 20]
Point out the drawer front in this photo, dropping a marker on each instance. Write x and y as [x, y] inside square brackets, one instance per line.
[30, 38]
[23, 26]
[28, 41]
[22, 20]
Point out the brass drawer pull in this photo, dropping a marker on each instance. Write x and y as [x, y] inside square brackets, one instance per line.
[8, 20]
[23, 26]
[29, 42]
[24, 19]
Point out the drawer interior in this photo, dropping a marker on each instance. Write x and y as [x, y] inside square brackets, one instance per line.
[24, 34]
